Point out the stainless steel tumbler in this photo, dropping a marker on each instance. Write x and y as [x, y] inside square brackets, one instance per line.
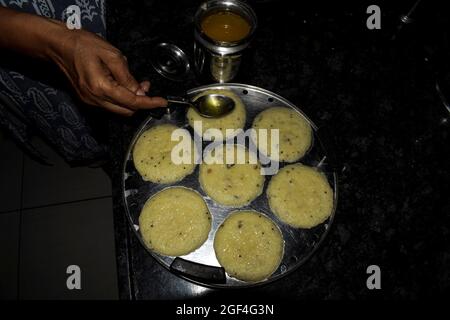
[220, 60]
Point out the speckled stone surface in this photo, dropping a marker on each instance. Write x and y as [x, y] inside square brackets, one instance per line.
[377, 98]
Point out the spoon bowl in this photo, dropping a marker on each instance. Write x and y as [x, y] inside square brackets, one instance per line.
[208, 106]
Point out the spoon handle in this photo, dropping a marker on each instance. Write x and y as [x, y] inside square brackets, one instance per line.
[179, 100]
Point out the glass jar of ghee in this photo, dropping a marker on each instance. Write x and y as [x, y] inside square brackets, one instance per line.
[223, 29]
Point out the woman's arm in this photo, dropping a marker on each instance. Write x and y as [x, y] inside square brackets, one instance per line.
[97, 70]
[26, 33]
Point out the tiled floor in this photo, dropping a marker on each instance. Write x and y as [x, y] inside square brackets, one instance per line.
[52, 217]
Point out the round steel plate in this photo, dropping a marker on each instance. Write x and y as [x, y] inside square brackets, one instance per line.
[300, 244]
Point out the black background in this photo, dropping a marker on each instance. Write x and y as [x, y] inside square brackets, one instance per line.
[374, 90]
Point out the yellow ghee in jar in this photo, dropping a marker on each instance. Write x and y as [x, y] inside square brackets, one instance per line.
[225, 26]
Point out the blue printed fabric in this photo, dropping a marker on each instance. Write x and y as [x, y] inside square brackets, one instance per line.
[33, 106]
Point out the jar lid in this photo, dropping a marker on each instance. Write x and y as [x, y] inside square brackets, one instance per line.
[170, 61]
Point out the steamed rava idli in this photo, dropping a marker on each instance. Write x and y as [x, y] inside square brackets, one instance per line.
[295, 134]
[175, 221]
[249, 246]
[231, 184]
[300, 196]
[153, 151]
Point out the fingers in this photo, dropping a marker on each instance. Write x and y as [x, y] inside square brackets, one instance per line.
[123, 97]
[111, 91]
[116, 109]
[143, 88]
[145, 85]
[114, 96]
[128, 93]
[117, 64]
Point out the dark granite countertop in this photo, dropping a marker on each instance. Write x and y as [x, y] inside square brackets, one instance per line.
[391, 131]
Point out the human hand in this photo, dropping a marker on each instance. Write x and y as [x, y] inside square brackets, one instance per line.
[99, 73]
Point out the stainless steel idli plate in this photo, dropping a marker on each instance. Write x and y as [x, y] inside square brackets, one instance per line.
[300, 244]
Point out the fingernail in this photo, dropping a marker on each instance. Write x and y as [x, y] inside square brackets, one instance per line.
[140, 92]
